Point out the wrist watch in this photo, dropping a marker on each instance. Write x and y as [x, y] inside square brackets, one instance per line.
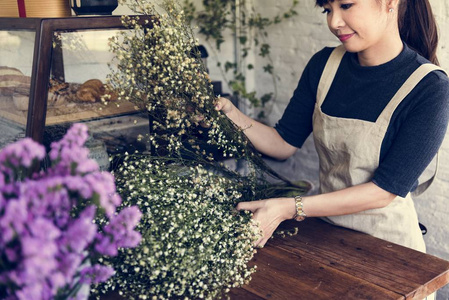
[300, 215]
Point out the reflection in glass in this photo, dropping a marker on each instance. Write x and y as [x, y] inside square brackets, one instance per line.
[79, 92]
[16, 61]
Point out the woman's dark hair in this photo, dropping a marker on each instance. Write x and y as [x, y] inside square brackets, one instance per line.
[417, 26]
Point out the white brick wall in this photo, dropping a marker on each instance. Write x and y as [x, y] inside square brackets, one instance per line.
[293, 43]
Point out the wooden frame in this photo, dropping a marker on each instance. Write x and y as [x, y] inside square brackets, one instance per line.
[44, 56]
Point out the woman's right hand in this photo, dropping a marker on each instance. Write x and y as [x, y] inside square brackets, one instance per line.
[225, 105]
[222, 104]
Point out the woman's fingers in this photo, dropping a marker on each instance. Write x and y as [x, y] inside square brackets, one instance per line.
[268, 213]
[251, 206]
[219, 103]
[223, 104]
[262, 215]
[254, 207]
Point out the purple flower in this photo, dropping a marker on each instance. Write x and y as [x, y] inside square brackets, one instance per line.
[12, 253]
[36, 267]
[87, 166]
[11, 189]
[48, 198]
[31, 291]
[44, 229]
[21, 153]
[79, 184]
[57, 280]
[68, 264]
[74, 139]
[105, 245]
[103, 185]
[125, 221]
[40, 247]
[2, 180]
[81, 232]
[96, 274]
[42, 239]
[119, 233]
[132, 240]
[13, 220]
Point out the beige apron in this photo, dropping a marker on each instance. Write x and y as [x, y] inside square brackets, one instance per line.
[349, 151]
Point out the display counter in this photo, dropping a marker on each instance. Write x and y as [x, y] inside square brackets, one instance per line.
[53, 73]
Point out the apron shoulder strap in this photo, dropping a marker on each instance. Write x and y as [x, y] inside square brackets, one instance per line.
[329, 73]
[421, 72]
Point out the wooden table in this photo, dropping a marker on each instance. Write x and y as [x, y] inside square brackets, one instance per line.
[327, 262]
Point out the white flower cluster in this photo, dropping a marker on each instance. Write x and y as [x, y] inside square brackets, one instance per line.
[158, 67]
[195, 244]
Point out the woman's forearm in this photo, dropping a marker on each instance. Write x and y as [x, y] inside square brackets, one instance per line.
[347, 201]
[264, 138]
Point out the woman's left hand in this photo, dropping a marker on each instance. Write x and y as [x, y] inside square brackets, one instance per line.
[269, 213]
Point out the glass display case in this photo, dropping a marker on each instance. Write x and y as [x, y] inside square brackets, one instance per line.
[53, 73]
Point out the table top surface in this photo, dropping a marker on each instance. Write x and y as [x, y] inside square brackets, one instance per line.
[328, 262]
[324, 261]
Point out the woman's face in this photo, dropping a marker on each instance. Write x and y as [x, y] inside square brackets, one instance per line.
[359, 24]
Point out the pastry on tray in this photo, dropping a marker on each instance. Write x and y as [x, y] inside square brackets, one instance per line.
[94, 90]
[64, 99]
[12, 78]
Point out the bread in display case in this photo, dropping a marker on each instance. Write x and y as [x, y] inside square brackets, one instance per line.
[53, 73]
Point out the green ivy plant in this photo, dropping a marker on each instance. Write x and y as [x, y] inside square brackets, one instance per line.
[250, 27]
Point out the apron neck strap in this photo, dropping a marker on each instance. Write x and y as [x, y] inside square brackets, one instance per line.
[329, 73]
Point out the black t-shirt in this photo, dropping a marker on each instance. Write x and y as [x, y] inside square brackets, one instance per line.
[417, 127]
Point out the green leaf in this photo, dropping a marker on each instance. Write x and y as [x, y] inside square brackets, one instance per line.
[268, 68]
[264, 50]
[218, 42]
[251, 97]
[266, 98]
[240, 77]
[229, 65]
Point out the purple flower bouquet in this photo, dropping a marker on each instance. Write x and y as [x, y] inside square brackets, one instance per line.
[50, 243]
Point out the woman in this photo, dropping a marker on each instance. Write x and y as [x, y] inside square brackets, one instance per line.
[378, 110]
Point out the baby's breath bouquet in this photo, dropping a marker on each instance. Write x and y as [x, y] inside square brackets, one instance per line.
[194, 243]
[158, 69]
